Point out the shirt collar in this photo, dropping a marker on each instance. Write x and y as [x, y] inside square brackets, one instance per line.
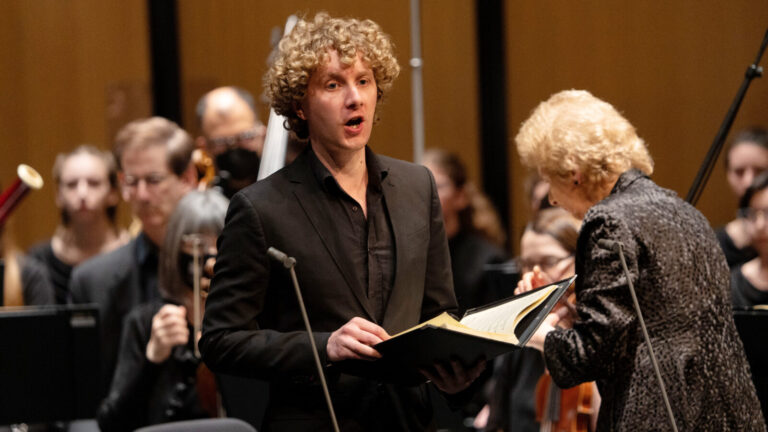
[626, 179]
[376, 174]
[145, 249]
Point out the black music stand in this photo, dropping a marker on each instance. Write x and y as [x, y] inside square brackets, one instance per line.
[49, 363]
[502, 279]
[752, 325]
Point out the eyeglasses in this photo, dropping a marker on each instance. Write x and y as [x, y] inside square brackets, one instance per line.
[545, 263]
[753, 214]
[151, 180]
[226, 142]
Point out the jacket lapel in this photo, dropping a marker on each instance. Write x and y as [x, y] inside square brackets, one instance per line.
[313, 202]
[402, 221]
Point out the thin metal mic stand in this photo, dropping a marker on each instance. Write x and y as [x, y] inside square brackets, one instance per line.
[617, 246]
[290, 263]
[753, 71]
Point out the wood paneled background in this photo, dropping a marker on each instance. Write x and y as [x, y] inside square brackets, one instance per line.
[74, 72]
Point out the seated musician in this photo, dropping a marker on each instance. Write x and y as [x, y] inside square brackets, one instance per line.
[749, 281]
[548, 247]
[157, 378]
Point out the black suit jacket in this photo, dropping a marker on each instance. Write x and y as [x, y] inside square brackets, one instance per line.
[113, 281]
[252, 323]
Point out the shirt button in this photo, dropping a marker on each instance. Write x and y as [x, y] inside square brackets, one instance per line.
[354, 208]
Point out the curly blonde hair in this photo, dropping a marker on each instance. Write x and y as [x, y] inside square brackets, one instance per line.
[306, 48]
[574, 130]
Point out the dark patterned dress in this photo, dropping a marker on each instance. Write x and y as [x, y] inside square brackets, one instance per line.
[681, 279]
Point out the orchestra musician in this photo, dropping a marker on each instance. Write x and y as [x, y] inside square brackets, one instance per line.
[522, 397]
[158, 376]
[367, 234]
[598, 169]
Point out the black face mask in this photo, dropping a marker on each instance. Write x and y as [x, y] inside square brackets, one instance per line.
[187, 267]
[238, 164]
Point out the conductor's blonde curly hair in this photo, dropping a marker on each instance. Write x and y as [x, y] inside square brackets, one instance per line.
[574, 130]
[306, 48]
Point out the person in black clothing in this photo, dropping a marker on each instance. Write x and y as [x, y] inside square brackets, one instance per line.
[232, 136]
[87, 197]
[475, 235]
[746, 158]
[549, 245]
[749, 281]
[23, 281]
[154, 157]
[366, 231]
[156, 380]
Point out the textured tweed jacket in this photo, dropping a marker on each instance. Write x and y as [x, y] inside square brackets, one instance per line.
[681, 279]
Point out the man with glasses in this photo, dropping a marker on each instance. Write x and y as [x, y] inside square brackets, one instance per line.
[154, 158]
[232, 136]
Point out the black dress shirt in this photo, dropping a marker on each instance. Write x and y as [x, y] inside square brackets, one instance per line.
[368, 241]
[147, 258]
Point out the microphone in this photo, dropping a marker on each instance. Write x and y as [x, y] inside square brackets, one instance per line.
[617, 246]
[289, 263]
[281, 257]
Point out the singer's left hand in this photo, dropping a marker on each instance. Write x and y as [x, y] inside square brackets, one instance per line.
[454, 377]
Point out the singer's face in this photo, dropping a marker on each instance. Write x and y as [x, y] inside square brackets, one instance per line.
[84, 192]
[151, 188]
[745, 161]
[340, 105]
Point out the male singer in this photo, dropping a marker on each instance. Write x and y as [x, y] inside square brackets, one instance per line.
[367, 234]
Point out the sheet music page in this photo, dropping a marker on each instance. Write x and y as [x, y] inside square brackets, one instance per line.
[504, 317]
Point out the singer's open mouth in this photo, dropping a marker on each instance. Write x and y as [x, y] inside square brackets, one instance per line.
[355, 121]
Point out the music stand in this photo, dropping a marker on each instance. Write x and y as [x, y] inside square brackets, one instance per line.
[752, 325]
[502, 279]
[49, 363]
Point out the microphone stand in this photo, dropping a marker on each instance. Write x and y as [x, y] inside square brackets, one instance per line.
[753, 71]
[618, 247]
[290, 263]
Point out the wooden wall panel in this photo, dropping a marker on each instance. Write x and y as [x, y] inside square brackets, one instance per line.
[227, 42]
[672, 68]
[72, 73]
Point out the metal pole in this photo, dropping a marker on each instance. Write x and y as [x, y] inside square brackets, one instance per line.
[417, 87]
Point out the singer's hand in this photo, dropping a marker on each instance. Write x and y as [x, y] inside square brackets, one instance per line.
[354, 340]
[532, 280]
[454, 377]
[169, 329]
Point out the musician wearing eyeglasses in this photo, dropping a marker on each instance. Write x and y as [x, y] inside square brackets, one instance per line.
[154, 158]
[232, 136]
[366, 231]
